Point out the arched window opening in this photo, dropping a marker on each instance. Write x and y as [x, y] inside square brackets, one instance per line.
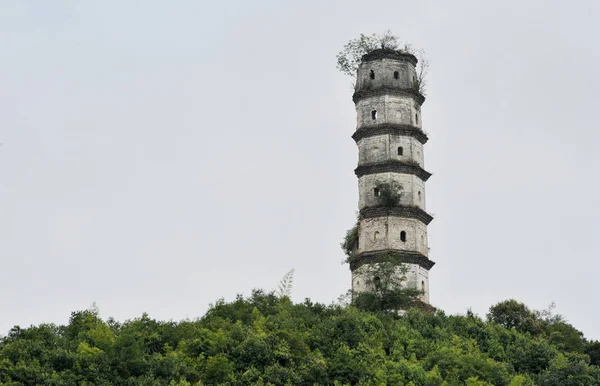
[377, 281]
[419, 194]
[357, 242]
[376, 192]
[396, 75]
[371, 74]
[400, 150]
[403, 236]
[358, 282]
[417, 119]
[423, 285]
[374, 114]
[376, 235]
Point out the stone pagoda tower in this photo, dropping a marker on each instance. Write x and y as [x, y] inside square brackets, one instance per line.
[390, 151]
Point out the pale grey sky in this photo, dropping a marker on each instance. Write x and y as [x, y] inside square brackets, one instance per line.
[157, 156]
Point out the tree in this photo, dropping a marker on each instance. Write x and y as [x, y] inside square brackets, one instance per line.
[592, 349]
[285, 285]
[567, 370]
[513, 314]
[564, 336]
[218, 370]
[349, 58]
[422, 71]
[387, 287]
[350, 243]
[389, 193]
[265, 339]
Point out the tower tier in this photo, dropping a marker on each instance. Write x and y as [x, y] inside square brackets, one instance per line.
[392, 232]
[412, 193]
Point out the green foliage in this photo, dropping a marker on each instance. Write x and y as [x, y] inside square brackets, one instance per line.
[513, 314]
[592, 349]
[265, 339]
[564, 336]
[349, 58]
[386, 281]
[285, 285]
[568, 370]
[350, 243]
[390, 193]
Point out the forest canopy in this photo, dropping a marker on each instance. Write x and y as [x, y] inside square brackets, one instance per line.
[266, 339]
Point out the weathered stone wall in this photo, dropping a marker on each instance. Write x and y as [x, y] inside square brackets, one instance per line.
[383, 71]
[388, 109]
[413, 193]
[416, 277]
[385, 147]
[381, 233]
[422, 276]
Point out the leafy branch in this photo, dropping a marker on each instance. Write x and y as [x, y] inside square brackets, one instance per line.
[386, 282]
[286, 284]
[422, 71]
[389, 193]
[350, 243]
[350, 57]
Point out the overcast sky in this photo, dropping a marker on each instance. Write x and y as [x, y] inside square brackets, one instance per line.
[156, 156]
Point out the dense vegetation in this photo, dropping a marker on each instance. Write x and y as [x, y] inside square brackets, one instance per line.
[265, 339]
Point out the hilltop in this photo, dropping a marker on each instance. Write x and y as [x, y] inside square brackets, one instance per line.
[265, 339]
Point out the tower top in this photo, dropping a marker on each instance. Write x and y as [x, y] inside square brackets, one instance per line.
[390, 54]
[388, 72]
